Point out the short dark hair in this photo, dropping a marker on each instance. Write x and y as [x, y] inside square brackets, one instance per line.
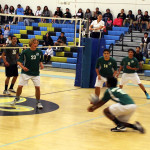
[12, 36]
[62, 32]
[131, 50]
[138, 47]
[106, 50]
[111, 82]
[145, 33]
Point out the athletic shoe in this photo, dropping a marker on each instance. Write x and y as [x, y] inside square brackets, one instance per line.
[147, 96]
[39, 105]
[13, 103]
[119, 129]
[12, 90]
[6, 92]
[139, 127]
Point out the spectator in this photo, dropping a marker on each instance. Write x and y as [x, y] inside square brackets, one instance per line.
[27, 21]
[6, 31]
[38, 12]
[61, 41]
[145, 40]
[109, 24]
[47, 40]
[139, 56]
[1, 17]
[96, 26]
[96, 14]
[145, 20]
[48, 54]
[129, 19]
[8, 41]
[26, 12]
[137, 22]
[78, 15]
[148, 49]
[0, 30]
[88, 14]
[6, 11]
[67, 14]
[45, 13]
[58, 14]
[107, 14]
[11, 12]
[2, 41]
[19, 11]
[122, 15]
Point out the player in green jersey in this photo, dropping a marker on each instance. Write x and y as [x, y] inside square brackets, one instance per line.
[29, 61]
[106, 66]
[130, 65]
[121, 111]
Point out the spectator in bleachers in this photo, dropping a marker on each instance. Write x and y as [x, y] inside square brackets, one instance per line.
[11, 12]
[145, 20]
[78, 15]
[88, 14]
[96, 27]
[107, 14]
[26, 12]
[27, 21]
[109, 24]
[58, 14]
[8, 41]
[139, 56]
[38, 11]
[2, 41]
[129, 18]
[61, 41]
[19, 11]
[122, 15]
[0, 30]
[6, 31]
[45, 13]
[47, 40]
[138, 20]
[148, 50]
[1, 17]
[48, 54]
[96, 13]
[67, 14]
[145, 40]
[6, 11]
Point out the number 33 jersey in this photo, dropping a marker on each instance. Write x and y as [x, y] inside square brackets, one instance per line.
[106, 68]
[31, 60]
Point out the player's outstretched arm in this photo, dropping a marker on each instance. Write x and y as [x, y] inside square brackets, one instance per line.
[121, 67]
[96, 106]
[41, 65]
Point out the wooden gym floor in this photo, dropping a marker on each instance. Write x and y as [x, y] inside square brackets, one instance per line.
[64, 123]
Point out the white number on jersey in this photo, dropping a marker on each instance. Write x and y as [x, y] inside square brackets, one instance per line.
[14, 52]
[105, 66]
[118, 90]
[33, 57]
[128, 63]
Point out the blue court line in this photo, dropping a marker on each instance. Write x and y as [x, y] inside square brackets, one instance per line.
[59, 129]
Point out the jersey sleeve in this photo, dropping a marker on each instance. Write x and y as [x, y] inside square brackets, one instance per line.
[122, 62]
[21, 58]
[97, 64]
[106, 96]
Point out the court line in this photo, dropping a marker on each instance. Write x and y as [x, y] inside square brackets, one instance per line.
[59, 129]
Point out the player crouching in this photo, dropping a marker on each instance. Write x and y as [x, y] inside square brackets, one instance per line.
[120, 112]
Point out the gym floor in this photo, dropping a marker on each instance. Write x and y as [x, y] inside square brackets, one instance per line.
[64, 123]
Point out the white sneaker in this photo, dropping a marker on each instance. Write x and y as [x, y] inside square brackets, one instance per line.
[12, 90]
[6, 92]
[13, 103]
[39, 106]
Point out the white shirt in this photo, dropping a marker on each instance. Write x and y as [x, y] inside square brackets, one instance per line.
[49, 52]
[97, 25]
[38, 12]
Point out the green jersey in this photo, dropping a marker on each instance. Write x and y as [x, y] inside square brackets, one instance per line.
[31, 60]
[117, 95]
[106, 68]
[129, 62]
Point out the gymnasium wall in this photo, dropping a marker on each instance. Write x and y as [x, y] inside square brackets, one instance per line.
[74, 5]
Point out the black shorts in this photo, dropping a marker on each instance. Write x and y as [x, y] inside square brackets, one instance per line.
[11, 71]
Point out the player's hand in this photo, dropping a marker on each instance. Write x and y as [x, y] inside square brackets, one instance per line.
[41, 65]
[6, 64]
[91, 109]
[117, 75]
[25, 69]
[128, 67]
[99, 77]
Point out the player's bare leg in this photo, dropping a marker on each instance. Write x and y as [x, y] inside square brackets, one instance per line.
[97, 91]
[37, 95]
